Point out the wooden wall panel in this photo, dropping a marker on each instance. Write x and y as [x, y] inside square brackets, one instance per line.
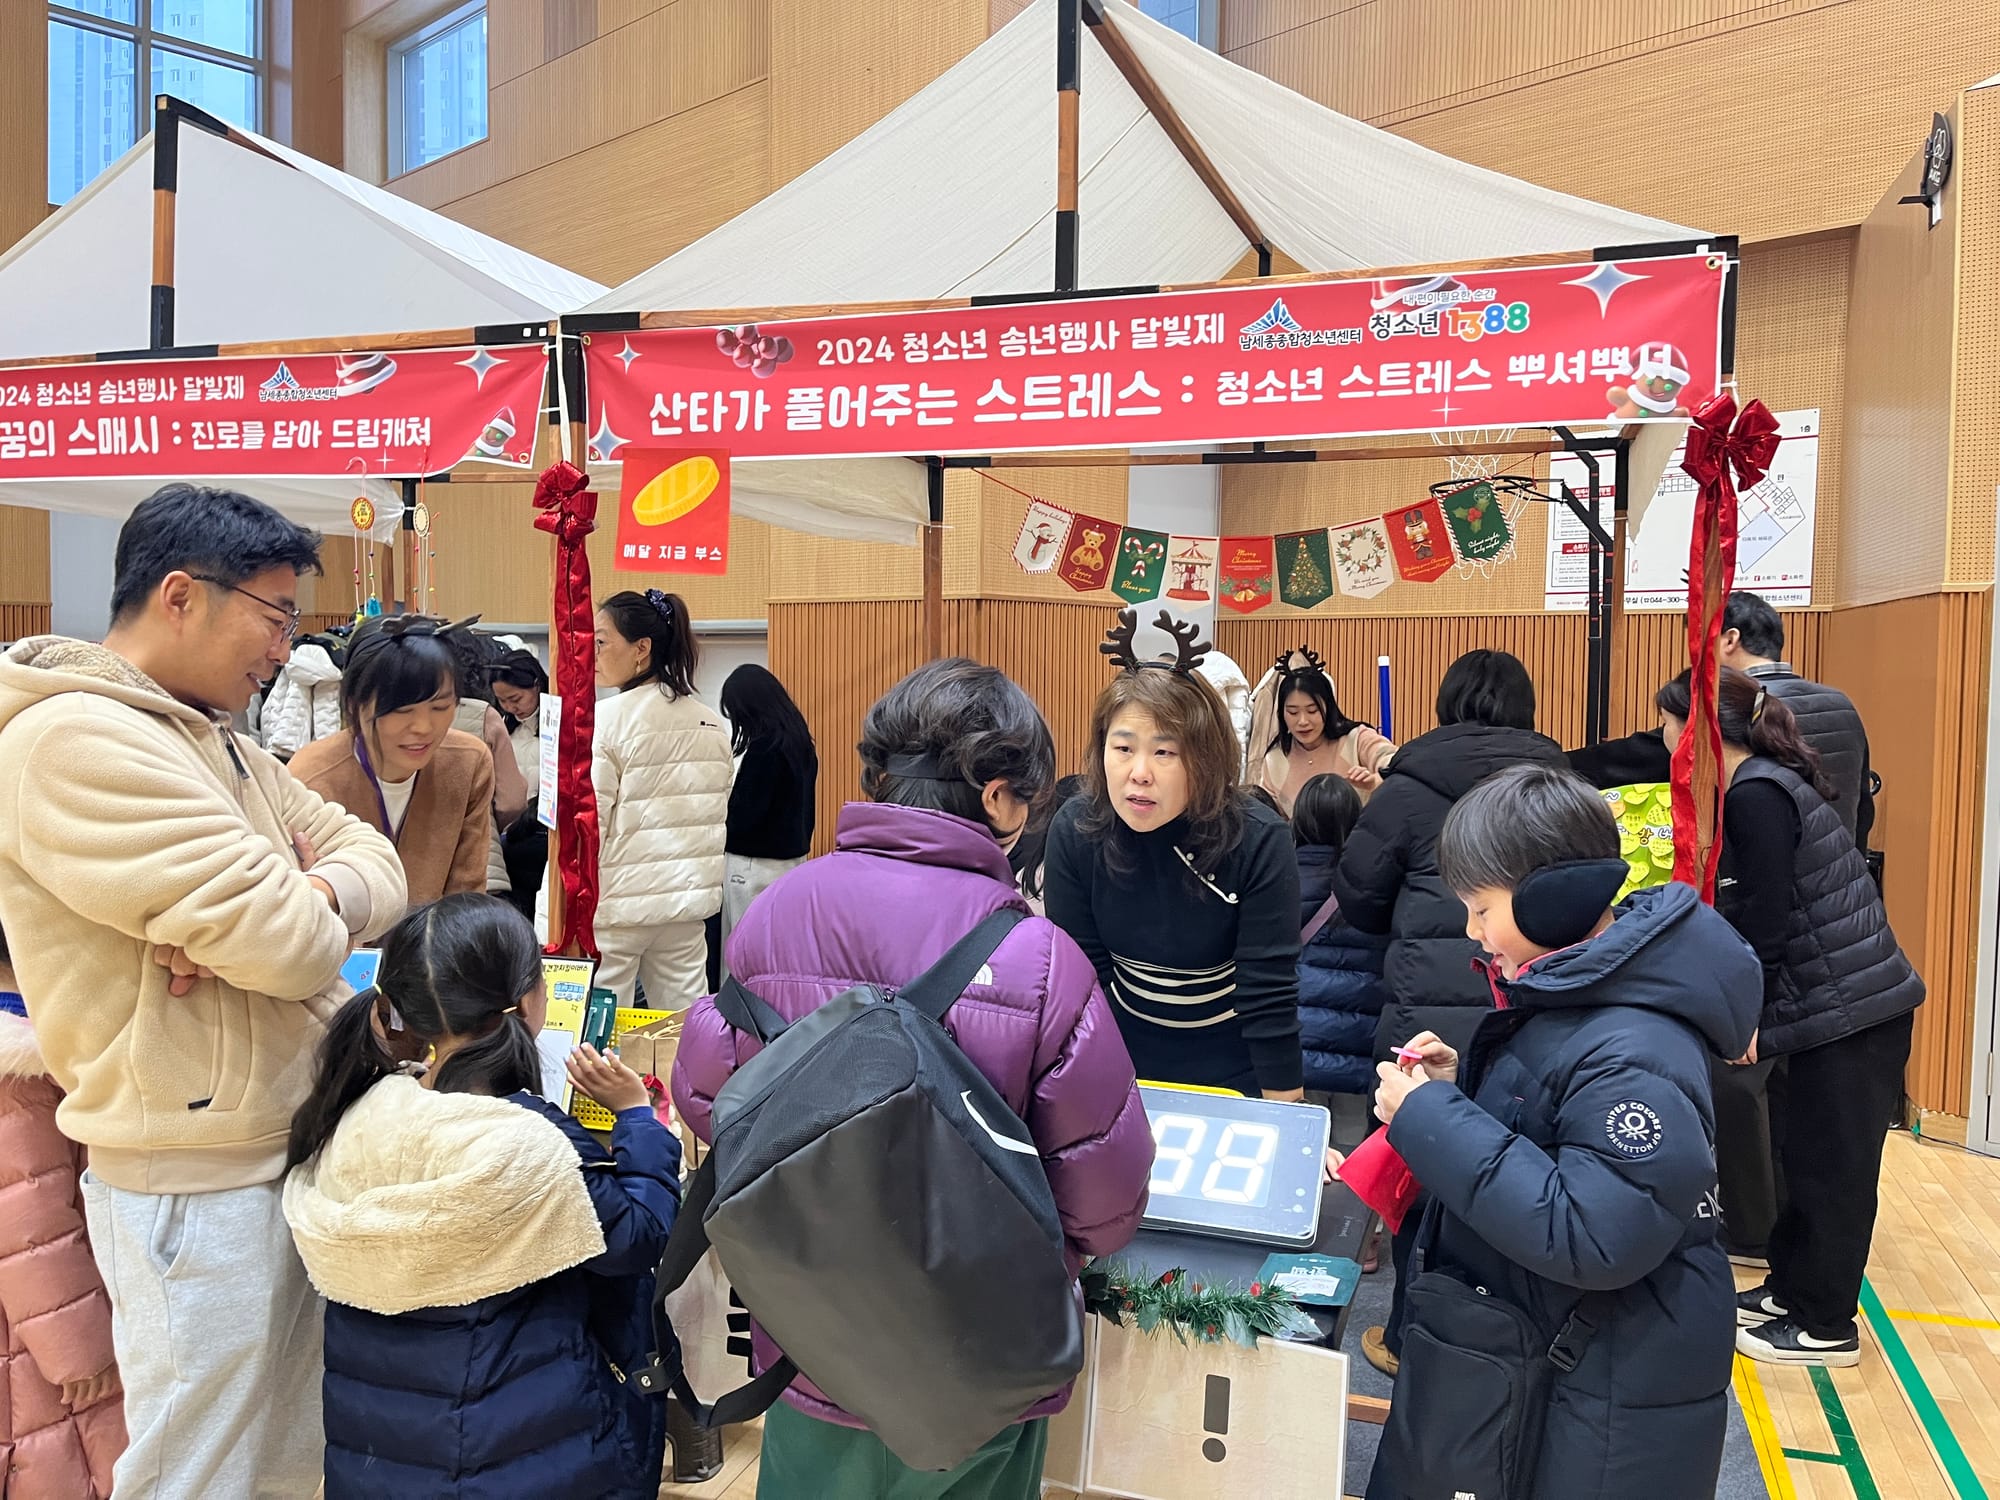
[1003, 498]
[1975, 458]
[24, 202]
[1918, 669]
[838, 66]
[24, 555]
[616, 208]
[1603, 101]
[17, 621]
[1899, 401]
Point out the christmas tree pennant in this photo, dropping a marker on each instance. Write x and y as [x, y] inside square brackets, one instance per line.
[1421, 541]
[1043, 530]
[1093, 544]
[1245, 566]
[1479, 530]
[1361, 558]
[1305, 576]
[1142, 558]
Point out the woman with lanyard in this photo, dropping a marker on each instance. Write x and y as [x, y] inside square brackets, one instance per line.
[398, 763]
[1297, 726]
[1181, 889]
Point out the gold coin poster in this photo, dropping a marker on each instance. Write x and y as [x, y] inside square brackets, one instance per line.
[673, 511]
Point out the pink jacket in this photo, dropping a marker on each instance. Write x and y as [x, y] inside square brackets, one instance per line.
[55, 1320]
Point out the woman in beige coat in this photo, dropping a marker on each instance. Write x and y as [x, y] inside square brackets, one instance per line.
[661, 763]
[62, 1416]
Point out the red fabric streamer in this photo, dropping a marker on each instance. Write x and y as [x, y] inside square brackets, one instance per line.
[1381, 1179]
[569, 513]
[1723, 450]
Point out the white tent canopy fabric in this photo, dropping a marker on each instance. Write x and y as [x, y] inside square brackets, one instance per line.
[954, 193]
[269, 244]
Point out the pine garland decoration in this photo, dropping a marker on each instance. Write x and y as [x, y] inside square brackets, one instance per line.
[1192, 1312]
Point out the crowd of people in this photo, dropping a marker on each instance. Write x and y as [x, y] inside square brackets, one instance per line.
[259, 1235]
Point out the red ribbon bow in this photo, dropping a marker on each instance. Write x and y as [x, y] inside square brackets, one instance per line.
[569, 513]
[1723, 450]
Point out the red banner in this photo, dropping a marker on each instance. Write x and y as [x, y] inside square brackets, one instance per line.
[1584, 343]
[392, 412]
[673, 511]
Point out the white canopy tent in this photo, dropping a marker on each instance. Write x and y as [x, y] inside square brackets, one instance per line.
[954, 194]
[269, 245]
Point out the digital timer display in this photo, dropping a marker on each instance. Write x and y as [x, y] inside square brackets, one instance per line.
[1228, 1165]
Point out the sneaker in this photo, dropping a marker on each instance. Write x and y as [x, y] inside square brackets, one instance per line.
[1375, 1349]
[1758, 1305]
[1782, 1342]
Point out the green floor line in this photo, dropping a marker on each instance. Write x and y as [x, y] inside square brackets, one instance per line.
[1815, 1458]
[1851, 1457]
[1944, 1442]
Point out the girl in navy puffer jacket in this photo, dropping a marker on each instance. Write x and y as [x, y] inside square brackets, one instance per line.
[488, 1267]
[1340, 969]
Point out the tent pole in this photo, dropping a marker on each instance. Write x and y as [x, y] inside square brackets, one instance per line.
[1621, 482]
[413, 597]
[166, 182]
[931, 611]
[1069, 82]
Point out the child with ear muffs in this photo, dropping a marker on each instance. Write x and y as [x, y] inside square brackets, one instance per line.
[1571, 1312]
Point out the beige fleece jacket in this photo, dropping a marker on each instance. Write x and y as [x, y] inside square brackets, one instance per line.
[128, 819]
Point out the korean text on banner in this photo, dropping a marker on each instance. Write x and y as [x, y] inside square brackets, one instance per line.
[406, 412]
[673, 511]
[1633, 341]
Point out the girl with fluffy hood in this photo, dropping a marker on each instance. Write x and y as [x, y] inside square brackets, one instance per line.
[488, 1267]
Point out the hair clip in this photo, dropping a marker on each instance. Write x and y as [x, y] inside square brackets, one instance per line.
[1188, 650]
[661, 603]
[1757, 708]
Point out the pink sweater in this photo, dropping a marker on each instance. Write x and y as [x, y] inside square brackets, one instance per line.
[55, 1320]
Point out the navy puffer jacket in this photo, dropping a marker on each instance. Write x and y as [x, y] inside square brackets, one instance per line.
[1340, 987]
[1578, 1156]
[489, 1276]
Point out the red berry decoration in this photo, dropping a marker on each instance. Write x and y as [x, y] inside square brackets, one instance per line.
[725, 340]
[764, 369]
[1208, 1330]
[1256, 1288]
[744, 357]
[785, 350]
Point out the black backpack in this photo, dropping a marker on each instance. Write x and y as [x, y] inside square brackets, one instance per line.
[882, 1212]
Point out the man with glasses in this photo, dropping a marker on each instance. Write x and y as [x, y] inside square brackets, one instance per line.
[180, 909]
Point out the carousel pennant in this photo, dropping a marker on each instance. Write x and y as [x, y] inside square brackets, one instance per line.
[1191, 568]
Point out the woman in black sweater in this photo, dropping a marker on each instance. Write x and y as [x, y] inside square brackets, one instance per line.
[771, 810]
[1834, 1036]
[1182, 890]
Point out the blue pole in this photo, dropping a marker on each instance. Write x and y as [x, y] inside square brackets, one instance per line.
[1382, 689]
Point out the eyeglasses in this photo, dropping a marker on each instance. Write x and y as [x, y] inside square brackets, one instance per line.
[288, 631]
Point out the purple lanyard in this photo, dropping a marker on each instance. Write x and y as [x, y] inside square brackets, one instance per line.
[381, 803]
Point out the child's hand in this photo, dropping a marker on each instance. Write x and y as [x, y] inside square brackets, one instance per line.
[1330, 1165]
[79, 1394]
[1440, 1062]
[1395, 1086]
[185, 971]
[1363, 778]
[605, 1078]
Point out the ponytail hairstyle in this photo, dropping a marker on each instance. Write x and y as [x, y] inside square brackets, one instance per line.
[1751, 720]
[662, 619]
[453, 970]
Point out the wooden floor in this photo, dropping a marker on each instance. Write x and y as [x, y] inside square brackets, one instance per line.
[1919, 1419]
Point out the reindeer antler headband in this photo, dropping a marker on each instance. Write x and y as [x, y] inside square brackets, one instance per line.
[1314, 662]
[1188, 650]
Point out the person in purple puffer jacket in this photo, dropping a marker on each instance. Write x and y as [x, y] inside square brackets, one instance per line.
[956, 762]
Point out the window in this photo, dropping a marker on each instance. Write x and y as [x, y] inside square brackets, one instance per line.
[208, 52]
[437, 89]
[1193, 19]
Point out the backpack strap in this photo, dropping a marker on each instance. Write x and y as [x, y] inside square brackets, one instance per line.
[687, 1243]
[937, 989]
[749, 1012]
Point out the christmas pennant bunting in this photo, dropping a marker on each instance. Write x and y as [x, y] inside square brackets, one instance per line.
[1305, 576]
[1086, 564]
[1361, 559]
[1142, 558]
[1421, 542]
[1043, 531]
[1479, 531]
[1246, 573]
[1191, 568]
